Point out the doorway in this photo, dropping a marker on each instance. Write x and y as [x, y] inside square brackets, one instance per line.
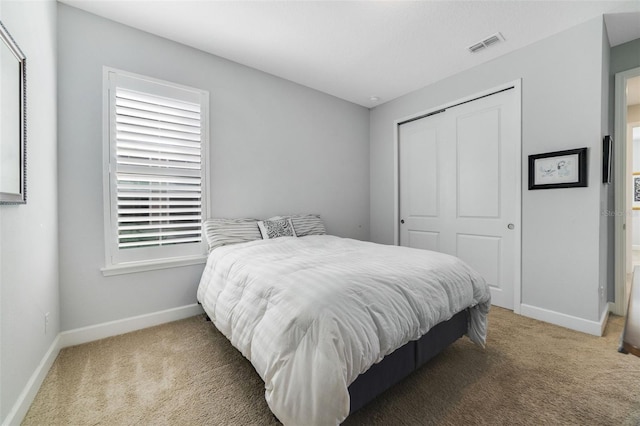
[627, 191]
[633, 142]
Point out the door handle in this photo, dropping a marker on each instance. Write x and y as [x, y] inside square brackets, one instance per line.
[401, 220]
[511, 226]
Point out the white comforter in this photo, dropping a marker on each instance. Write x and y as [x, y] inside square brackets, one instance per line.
[313, 313]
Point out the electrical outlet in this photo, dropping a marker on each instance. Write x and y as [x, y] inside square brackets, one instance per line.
[46, 322]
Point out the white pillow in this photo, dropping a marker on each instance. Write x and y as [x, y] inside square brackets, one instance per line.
[276, 227]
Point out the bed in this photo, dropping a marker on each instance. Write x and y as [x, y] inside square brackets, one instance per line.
[329, 323]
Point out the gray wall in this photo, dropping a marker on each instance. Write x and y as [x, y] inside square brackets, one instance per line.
[28, 233]
[276, 148]
[607, 222]
[561, 109]
[625, 56]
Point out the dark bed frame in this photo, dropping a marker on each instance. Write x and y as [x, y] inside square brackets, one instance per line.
[404, 360]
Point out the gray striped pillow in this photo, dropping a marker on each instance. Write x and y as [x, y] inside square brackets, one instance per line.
[221, 232]
[308, 224]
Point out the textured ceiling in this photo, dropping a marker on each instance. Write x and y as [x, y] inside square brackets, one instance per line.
[358, 49]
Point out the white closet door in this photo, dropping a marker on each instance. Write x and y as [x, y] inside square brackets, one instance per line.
[420, 143]
[459, 187]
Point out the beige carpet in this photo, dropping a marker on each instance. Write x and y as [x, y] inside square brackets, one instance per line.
[186, 373]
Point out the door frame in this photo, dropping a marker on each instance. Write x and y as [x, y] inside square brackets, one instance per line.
[517, 88]
[618, 306]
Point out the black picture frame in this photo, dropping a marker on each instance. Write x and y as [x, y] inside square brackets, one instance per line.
[607, 159]
[558, 169]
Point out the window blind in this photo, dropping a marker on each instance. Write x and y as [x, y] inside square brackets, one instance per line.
[158, 170]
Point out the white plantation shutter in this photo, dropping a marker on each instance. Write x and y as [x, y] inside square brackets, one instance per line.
[157, 142]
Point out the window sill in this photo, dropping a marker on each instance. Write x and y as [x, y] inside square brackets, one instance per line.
[152, 265]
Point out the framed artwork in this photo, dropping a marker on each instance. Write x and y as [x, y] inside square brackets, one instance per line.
[607, 159]
[13, 121]
[559, 169]
[635, 201]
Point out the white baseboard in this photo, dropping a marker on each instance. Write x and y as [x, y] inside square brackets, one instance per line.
[595, 328]
[20, 408]
[82, 335]
[603, 319]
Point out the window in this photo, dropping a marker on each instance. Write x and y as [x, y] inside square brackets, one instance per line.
[155, 173]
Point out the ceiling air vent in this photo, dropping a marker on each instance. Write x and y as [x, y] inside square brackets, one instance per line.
[489, 41]
[476, 47]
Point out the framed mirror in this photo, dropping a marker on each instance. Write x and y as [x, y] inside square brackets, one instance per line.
[13, 121]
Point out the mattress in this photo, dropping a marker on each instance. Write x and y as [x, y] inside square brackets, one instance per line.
[313, 313]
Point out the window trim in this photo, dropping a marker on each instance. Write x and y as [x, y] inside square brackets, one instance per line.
[112, 267]
[151, 265]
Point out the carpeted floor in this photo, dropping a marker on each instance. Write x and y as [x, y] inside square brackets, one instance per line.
[187, 373]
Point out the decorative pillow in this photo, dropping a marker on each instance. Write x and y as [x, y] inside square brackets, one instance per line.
[274, 228]
[308, 224]
[221, 232]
